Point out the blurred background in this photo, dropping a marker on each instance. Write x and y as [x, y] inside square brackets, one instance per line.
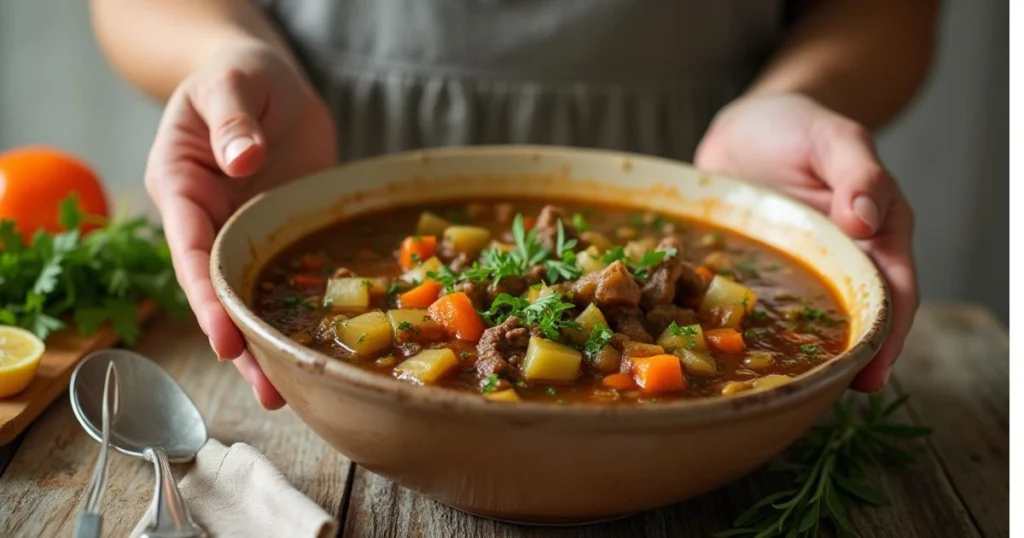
[950, 149]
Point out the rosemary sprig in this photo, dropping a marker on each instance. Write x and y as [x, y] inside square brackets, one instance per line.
[829, 467]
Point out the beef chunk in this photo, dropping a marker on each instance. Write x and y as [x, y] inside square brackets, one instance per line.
[628, 320]
[460, 262]
[476, 292]
[661, 316]
[504, 212]
[690, 287]
[535, 274]
[512, 285]
[611, 286]
[547, 227]
[500, 347]
[660, 286]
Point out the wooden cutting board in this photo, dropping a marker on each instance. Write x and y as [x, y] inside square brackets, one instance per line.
[64, 350]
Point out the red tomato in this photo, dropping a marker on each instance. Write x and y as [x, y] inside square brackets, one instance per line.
[35, 180]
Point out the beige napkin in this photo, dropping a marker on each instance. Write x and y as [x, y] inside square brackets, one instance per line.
[236, 491]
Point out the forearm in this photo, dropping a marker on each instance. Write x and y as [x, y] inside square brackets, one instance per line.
[155, 44]
[862, 58]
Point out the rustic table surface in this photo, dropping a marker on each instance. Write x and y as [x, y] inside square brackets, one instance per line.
[955, 367]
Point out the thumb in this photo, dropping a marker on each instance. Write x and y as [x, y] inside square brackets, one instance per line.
[230, 105]
[863, 191]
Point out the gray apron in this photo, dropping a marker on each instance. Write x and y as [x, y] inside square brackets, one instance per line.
[636, 75]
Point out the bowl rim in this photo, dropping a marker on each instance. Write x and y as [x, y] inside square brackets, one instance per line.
[688, 411]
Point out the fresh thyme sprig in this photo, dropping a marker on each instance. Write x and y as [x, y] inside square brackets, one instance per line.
[829, 467]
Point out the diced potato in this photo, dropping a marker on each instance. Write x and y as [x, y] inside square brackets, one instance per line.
[427, 366]
[348, 293]
[690, 337]
[365, 334]
[772, 380]
[419, 273]
[636, 249]
[729, 316]
[431, 224]
[635, 350]
[597, 240]
[550, 361]
[734, 387]
[467, 239]
[698, 362]
[507, 395]
[413, 324]
[758, 360]
[588, 319]
[607, 360]
[589, 260]
[723, 294]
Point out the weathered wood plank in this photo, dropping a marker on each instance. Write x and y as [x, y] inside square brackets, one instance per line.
[956, 366]
[927, 498]
[42, 488]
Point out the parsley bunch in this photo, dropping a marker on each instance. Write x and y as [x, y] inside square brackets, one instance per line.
[829, 468]
[92, 280]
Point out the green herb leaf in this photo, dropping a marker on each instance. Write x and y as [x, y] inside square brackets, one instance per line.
[490, 384]
[580, 222]
[599, 337]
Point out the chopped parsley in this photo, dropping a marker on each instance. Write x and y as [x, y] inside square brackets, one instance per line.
[490, 383]
[750, 335]
[551, 391]
[291, 300]
[445, 276]
[813, 314]
[810, 349]
[676, 330]
[758, 315]
[546, 313]
[641, 268]
[362, 338]
[580, 222]
[415, 257]
[394, 288]
[748, 268]
[465, 355]
[599, 337]
[565, 266]
[407, 326]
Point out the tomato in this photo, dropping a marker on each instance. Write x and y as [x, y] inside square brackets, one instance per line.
[35, 180]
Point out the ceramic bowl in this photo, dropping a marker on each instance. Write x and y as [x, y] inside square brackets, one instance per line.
[535, 462]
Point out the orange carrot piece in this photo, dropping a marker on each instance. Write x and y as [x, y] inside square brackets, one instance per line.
[415, 249]
[658, 374]
[421, 296]
[618, 381]
[456, 314]
[308, 280]
[725, 340]
[528, 223]
[704, 273]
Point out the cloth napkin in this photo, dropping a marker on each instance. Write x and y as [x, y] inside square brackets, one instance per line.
[237, 491]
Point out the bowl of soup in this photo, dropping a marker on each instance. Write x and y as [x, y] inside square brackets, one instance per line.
[548, 335]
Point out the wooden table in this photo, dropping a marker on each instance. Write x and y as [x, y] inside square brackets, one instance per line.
[956, 367]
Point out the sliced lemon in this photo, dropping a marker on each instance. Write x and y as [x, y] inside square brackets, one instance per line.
[20, 352]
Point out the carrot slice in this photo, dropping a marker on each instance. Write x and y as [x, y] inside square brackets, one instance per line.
[704, 273]
[725, 340]
[658, 374]
[421, 296]
[618, 381]
[415, 249]
[307, 280]
[456, 314]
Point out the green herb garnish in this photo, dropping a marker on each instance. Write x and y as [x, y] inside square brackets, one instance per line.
[829, 466]
[490, 384]
[580, 222]
[651, 259]
[676, 330]
[362, 338]
[810, 349]
[565, 266]
[93, 280]
[551, 391]
[546, 313]
[599, 337]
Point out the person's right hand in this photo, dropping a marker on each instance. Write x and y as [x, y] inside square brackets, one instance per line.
[245, 121]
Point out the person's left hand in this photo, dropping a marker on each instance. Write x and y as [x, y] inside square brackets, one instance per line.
[794, 144]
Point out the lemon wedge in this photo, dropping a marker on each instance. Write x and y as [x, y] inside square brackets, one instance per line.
[20, 352]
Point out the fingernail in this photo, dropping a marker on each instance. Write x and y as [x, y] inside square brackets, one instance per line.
[867, 210]
[236, 147]
[214, 348]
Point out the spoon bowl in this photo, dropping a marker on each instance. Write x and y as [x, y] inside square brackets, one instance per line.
[157, 411]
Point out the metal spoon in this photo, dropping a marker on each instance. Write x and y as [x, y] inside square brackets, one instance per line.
[157, 421]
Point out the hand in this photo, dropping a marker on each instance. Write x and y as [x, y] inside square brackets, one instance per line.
[244, 122]
[791, 143]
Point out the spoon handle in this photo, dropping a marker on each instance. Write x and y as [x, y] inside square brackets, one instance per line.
[168, 516]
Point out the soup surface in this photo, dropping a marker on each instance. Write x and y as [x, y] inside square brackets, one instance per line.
[574, 303]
